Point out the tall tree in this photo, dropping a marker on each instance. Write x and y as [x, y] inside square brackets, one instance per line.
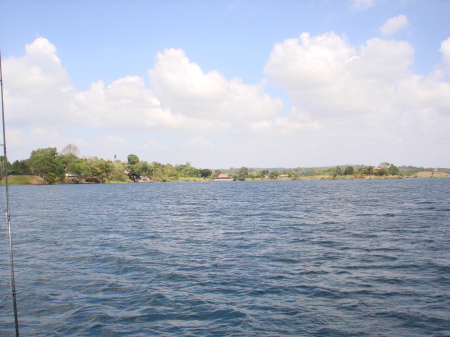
[48, 152]
[71, 149]
[132, 159]
[79, 167]
[8, 165]
[20, 167]
[118, 173]
[42, 165]
[349, 170]
[394, 170]
[190, 171]
[66, 160]
[205, 173]
[133, 167]
[242, 173]
[274, 174]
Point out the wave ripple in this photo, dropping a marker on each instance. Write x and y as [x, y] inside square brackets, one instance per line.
[292, 258]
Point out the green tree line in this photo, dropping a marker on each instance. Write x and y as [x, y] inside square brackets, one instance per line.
[68, 166]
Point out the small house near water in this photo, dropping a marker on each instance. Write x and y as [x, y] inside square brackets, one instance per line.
[223, 177]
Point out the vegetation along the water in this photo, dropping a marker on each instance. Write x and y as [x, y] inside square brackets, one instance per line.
[50, 166]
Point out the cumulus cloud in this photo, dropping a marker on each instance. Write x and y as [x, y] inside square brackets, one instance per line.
[329, 78]
[444, 67]
[184, 98]
[37, 87]
[183, 87]
[125, 104]
[345, 102]
[317, 61]
[394, 24]
[346, 93]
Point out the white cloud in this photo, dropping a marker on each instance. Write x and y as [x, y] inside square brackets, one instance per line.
[444, 67]
[384, 60]
[329, 78]
[37, 87]
[125, 104]
[309, 62]
[351, 94]
[348, 104]
[186, 99]
[394, 24]
[185, 89]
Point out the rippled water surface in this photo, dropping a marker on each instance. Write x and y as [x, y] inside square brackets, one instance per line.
[288, 258]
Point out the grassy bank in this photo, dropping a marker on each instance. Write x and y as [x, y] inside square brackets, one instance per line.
[431, 175]
[25, 180]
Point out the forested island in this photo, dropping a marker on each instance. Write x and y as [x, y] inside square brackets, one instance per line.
[50, 166]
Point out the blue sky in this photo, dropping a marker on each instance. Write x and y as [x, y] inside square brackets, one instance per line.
[230, 83]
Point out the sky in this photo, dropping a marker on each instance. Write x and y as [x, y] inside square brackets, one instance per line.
[226, 83]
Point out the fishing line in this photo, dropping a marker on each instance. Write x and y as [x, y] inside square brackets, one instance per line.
[7, 210]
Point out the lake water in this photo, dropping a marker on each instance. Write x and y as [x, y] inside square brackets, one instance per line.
[279, 258]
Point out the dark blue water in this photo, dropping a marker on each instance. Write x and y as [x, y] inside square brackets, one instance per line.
[288, 258]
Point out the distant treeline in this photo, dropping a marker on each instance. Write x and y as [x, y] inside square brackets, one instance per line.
[66, 166]
[382, 170]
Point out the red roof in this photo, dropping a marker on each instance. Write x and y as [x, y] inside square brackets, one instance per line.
[222, 176]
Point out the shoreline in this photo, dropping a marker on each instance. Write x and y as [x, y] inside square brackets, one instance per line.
[36, 180]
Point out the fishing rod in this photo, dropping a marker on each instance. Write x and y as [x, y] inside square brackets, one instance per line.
[7, 210]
